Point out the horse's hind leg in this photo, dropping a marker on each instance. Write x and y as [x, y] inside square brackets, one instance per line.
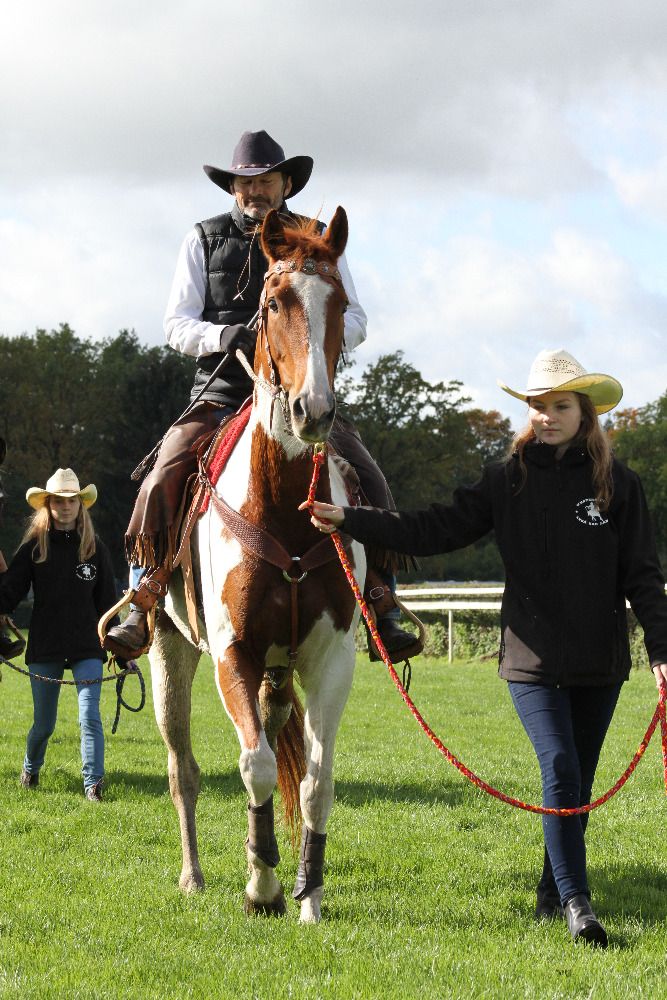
[173, 664]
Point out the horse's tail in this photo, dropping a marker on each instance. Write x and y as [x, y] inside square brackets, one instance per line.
[291, 756]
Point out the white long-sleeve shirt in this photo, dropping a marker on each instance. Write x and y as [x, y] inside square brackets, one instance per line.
[188, 333]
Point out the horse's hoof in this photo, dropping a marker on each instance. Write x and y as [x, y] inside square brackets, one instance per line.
[310, 907]
[191, 882]
[274, 908]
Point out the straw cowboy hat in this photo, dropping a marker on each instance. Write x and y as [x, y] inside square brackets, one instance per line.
[63, 483]
[559, 371]
[257, 153]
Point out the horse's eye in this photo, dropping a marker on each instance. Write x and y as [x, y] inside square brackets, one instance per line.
[273, 305]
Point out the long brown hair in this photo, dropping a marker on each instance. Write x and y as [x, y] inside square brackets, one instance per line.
[38, 529]
[592, 437]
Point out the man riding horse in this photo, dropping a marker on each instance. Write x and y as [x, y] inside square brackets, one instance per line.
[214, 298]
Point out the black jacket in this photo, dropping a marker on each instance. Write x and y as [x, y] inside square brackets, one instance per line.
[568, 567]
[70, 597]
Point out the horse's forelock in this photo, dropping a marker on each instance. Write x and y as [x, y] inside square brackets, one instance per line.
[302, 240]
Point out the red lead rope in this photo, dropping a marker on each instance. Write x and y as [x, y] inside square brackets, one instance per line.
[660, 713]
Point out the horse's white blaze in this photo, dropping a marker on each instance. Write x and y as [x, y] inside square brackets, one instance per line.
[313, 294]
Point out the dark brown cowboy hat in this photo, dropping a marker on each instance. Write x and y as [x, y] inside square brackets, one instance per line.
[257, 153]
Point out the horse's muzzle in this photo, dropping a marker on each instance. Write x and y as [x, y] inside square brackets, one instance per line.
[312, 419]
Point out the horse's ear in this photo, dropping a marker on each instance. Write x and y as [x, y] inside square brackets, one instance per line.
[336, 234]
[273, 230]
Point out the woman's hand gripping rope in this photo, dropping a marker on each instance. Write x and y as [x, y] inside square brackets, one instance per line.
[327, 518]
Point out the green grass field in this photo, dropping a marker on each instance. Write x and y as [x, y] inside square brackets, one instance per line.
[429, 882]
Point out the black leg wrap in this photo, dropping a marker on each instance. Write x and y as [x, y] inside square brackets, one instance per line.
[311, 863]
[261, 835]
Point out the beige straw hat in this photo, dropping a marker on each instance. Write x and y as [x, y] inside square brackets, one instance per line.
[559, 371]
[63, 483]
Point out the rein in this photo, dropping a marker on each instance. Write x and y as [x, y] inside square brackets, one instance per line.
[660, 714]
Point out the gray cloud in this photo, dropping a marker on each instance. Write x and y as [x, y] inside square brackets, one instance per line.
[421, 119]
[457, 91]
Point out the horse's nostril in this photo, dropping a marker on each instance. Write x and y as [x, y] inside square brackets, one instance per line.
[297, 410]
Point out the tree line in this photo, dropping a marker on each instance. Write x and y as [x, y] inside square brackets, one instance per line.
[100, 407]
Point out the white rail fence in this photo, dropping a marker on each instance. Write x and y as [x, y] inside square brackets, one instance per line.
[451, 599]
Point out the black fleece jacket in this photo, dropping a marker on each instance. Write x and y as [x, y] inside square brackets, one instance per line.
[569, 568]
[70, 597]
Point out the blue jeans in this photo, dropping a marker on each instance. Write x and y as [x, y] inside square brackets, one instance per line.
[45, 710]
[567, 727]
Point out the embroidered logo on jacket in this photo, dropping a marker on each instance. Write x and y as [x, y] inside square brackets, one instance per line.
[588, 512]
[86, 571]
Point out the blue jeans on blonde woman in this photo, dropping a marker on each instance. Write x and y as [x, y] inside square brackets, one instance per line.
[45, 707]
[567, 727]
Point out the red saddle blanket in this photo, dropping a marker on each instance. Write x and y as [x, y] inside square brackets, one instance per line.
[223, 445]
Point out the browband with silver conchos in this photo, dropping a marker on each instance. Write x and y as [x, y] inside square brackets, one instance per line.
[308, 266]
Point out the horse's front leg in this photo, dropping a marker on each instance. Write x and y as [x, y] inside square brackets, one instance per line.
[173, 664]
[238, 682]
[326, 686]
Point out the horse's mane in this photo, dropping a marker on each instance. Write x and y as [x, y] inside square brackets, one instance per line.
[302, 238]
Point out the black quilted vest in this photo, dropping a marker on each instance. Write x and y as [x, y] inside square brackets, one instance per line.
[233, 263]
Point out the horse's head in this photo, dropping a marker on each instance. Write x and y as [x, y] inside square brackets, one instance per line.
[301, 326]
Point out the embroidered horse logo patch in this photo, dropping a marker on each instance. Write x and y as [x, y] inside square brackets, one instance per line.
[588, 512]
[86, 572]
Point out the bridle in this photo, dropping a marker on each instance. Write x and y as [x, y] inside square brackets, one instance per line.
[308, 266]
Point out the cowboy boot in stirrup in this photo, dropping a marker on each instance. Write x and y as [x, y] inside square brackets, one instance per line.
[399, 643]
[132, 638]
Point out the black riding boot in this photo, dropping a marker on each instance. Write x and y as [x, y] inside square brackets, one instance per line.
[399, 643]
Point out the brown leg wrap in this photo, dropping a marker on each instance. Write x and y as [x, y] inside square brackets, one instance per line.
[311, 863]
[261, 835]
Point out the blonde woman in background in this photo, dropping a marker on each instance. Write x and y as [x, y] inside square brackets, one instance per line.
[70, 572]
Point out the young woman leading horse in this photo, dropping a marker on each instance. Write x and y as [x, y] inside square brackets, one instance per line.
[274, 599]
[574, 532]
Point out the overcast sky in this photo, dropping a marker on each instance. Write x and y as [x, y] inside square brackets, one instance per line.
[503, 165]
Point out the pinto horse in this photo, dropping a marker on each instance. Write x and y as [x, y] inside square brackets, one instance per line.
[261, 623]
